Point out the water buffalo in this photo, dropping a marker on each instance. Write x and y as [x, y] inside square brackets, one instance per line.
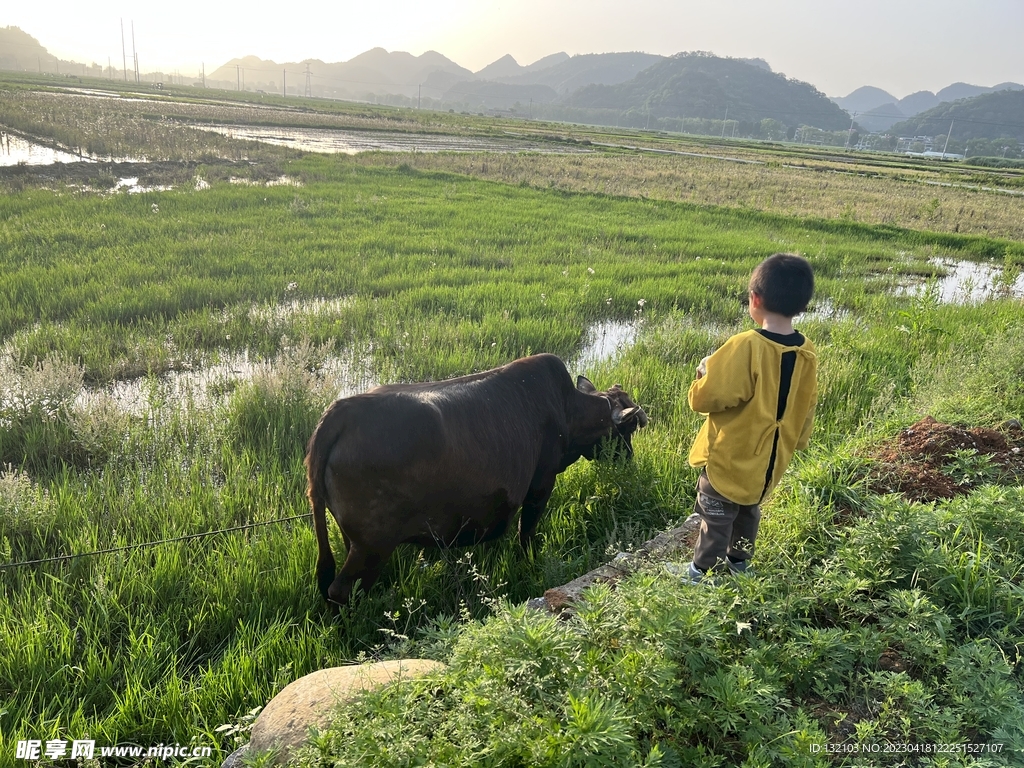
[448, 463]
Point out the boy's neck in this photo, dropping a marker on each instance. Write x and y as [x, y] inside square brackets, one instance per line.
[775, 323]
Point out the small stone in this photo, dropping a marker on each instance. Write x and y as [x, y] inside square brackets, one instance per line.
[235, 759]
[538, 604]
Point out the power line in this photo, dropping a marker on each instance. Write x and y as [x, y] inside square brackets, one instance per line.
[187, 537]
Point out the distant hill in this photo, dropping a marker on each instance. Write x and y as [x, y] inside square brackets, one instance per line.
[759, 63]
[587, 69]
[698, 85]
[989, 116]
[19, 50]
[880, 118]
[507, 67]
[918, 102]
[965, 91]
[490, 95]
[547, 61]
[864, 99]
[873, 106]
[375, 71]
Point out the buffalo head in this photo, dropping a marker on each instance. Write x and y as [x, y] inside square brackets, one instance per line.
[627, 417]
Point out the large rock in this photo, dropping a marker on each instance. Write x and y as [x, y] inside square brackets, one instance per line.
[310, 701]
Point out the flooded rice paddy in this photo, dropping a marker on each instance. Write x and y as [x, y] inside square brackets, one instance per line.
[211, 382]
[966, 282]
[15, 150]
[205, 387]
[353, 372]
[351, 142]
[606, 340]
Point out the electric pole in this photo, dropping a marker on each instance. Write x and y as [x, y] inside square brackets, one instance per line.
[947, 140]
[726, 120]
[284, 82]
[849, 133]
[204, 74]
[238, 83]
[419, 90]
[309, 89]
[135, 53]
[124, 56]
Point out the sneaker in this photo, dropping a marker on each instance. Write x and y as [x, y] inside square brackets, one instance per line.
[689, 574]
[741, 567]
[695, 574]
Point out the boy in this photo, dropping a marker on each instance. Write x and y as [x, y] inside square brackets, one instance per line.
[758, 392]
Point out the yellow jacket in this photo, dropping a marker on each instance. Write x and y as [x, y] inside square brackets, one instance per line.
[740, 394]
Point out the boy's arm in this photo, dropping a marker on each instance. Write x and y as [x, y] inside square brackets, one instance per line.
[728, 381]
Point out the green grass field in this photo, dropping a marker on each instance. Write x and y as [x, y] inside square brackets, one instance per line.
[426, 274]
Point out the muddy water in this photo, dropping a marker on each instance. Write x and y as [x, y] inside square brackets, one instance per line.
[605, 341]
[966, 282]
[352, 142]
[15, 150]
[209, 386]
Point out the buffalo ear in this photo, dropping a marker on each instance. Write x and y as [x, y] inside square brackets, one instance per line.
[619, 416]
[583, 384]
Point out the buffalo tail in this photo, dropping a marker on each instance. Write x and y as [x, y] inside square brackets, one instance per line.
[326, 434]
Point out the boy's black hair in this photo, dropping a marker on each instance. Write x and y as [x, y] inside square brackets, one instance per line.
[784, 282]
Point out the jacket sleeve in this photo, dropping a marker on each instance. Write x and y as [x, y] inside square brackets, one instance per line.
[805, 434]
[729, 380]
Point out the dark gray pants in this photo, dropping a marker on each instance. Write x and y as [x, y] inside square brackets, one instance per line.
[727, 529]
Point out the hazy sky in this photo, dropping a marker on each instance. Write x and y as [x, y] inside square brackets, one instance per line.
[899, 45]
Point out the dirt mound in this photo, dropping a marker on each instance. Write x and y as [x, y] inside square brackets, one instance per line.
[930, 460]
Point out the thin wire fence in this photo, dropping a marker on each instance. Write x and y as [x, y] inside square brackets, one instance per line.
[143, 545]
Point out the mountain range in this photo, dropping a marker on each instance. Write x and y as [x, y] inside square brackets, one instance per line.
[433, 76]
[877, 110]
[700, 85]
[628, 88]
[999, 114]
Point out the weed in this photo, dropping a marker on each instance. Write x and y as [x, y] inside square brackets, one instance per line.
[968, 467]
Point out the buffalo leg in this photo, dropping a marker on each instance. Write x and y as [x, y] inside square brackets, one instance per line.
[533, 507]
[360, 565]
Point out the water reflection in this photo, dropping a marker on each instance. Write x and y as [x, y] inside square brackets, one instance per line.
[15, 150]
[605, 341]
[966, 282]
[352, 142]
